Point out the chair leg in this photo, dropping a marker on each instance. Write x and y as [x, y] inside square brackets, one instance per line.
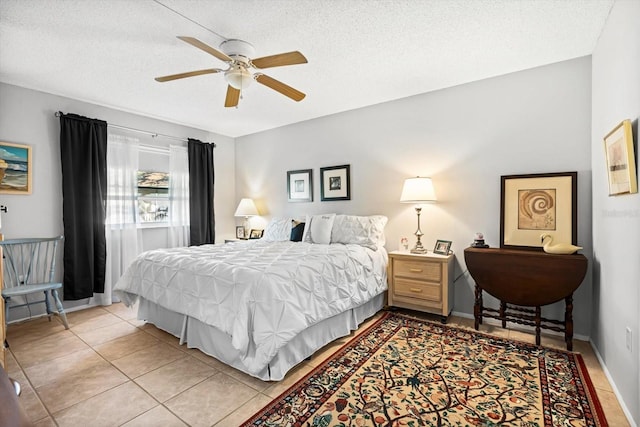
[6, 317]
[47, 305]
[6, 311]
[61, 312]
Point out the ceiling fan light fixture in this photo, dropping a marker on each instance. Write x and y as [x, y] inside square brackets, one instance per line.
[238, 77]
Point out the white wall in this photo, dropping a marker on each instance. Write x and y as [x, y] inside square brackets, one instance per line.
[27, 117]
[464, 137]
[616, 220]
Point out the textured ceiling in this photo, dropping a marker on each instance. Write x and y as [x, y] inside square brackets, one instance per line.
[360, 52]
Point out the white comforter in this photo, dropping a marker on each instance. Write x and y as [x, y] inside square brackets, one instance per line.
[260, 293]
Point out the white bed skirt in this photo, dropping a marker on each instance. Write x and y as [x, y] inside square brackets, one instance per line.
[216, 343]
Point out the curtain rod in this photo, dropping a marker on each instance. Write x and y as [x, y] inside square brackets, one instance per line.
[146, 132]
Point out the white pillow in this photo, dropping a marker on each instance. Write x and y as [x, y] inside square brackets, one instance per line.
[278, 230]
[367, 231]
[317, 229]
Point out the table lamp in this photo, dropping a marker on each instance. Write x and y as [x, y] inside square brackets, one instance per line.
[246, 208]
[418, 190]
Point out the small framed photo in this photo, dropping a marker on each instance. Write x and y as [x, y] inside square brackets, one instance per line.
[240, 232]
[442, 247]
[15, 168]
[335, 183]
[621, 160]
[533, 204]
[300, 185]
[255, 234]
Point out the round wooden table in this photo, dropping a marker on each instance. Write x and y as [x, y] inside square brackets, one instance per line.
[524, 278]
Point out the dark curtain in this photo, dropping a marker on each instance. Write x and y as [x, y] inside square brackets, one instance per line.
[83, 153]
[201, 178]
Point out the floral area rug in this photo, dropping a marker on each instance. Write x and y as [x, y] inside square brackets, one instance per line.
[404, 371]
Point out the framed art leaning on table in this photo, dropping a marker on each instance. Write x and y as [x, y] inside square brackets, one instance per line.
[533, 204]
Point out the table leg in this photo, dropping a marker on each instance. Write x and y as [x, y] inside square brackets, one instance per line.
[568, 322]
[503, 309]
[538, 316]
[477, 307]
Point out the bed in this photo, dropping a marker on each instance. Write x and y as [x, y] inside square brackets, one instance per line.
[264, 305]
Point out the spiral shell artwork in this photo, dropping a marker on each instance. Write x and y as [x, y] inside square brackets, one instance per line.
[537, 209]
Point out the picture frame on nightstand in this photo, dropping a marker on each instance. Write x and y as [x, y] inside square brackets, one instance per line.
[240, 232]
[442, 247]
[256, 234]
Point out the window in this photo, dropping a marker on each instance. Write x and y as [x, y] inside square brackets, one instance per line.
[153, 197]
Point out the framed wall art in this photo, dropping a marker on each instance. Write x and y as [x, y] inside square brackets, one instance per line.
[621, 160]
[15, 168]
[536, 204]
[335, 183]
[300, 185]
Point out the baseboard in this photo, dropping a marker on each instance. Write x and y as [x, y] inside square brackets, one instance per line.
[626, 411]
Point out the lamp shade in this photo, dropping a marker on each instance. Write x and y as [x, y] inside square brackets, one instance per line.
[246, 208]
[418, 190]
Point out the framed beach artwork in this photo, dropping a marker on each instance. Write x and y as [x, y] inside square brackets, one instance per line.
[621, 160]
[15, 168]
[534, 204]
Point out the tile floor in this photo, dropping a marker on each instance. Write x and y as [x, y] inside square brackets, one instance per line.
[110, 369]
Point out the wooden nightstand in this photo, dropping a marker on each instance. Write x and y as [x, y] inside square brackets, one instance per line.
[421, 282]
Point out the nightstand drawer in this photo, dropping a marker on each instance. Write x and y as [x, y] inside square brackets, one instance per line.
[418, 289]
[420, 270]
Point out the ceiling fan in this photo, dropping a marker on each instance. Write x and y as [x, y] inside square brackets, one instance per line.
[238, 55]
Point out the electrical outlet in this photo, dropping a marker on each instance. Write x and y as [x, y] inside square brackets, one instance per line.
[629, 336]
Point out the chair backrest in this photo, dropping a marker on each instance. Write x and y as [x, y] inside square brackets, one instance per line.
[29, 261]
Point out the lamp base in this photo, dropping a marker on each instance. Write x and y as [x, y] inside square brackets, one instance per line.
[418, 248]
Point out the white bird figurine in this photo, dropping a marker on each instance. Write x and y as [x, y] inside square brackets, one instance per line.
[558, 248]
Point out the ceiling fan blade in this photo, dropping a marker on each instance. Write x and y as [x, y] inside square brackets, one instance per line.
[289, 58]
[276, 85]
[215, 52]
[188, 74]
[233, 96]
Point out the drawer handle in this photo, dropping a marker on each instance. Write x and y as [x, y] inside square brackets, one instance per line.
[415, 290]
[415, 270]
